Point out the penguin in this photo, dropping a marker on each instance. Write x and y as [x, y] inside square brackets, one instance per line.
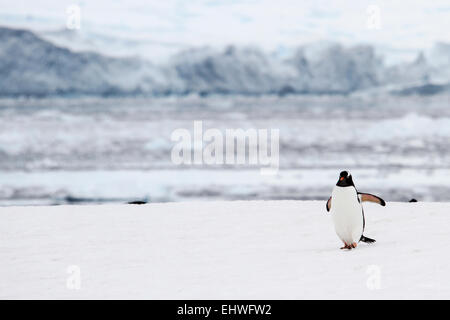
[346, 208]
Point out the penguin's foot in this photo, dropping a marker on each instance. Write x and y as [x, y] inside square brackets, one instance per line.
[349, 247]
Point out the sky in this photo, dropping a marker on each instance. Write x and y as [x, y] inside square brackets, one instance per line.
[157, 28]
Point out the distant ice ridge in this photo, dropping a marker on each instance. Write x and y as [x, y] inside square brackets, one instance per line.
[30, 65]
[202, 184]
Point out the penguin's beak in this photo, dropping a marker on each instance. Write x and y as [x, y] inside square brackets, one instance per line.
[341, 178]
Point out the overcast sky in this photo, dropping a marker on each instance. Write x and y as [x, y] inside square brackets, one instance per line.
[269, 24]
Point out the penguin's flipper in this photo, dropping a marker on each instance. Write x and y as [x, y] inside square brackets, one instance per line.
[329, 204]
[366, 240]
[370, 197]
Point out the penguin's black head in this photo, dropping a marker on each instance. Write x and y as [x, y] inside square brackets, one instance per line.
[345, 179]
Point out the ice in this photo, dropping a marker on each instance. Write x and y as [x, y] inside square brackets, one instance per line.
[124, 144]
[120, 186]
[33, 66]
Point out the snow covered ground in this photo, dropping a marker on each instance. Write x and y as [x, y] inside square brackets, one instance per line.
[213, 250]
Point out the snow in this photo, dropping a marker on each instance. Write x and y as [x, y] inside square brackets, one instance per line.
[215, 250]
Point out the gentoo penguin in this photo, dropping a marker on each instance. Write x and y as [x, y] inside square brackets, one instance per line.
[347, 211]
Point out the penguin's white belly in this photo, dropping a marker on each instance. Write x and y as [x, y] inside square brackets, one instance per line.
[347, 214]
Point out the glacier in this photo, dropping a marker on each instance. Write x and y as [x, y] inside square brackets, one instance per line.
[32, 66]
